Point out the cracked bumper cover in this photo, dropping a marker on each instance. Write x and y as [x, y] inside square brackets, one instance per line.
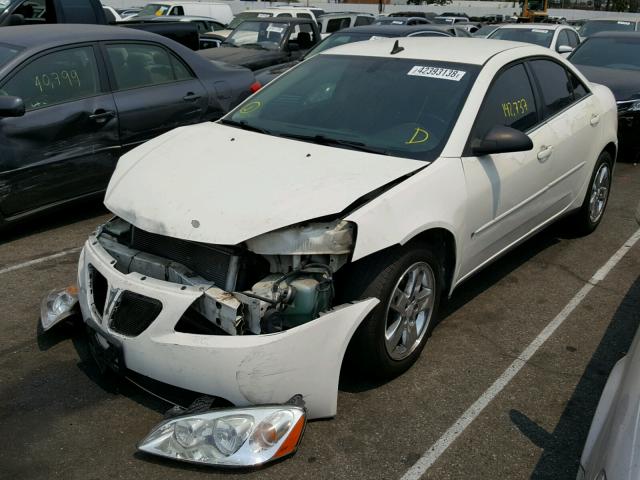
[244, 369]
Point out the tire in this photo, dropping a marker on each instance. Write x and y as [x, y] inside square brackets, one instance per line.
[590, 214]
[370, 351]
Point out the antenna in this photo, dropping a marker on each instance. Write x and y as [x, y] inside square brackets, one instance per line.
[396, 48]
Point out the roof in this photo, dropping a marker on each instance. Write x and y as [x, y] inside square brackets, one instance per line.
[51, 35]
[537, 26]
[474, 51]
[344, 14]
[396, 30]
[278, 20]
[609, 20]
[171, 18]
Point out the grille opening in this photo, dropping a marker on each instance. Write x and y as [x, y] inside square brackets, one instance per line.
[133, 313]
[194, 322]
[98, 289]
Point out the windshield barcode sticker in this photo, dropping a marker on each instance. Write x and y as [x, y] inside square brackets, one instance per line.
[624, 23]
[539, 30]
[437, 72]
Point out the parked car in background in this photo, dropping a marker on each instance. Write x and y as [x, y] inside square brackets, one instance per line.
[203, 24]
[612, 449]
[470, 27]
[73, 98]
[314, 11]
[613, 59]
[265, 13]
[221, 12]
[427, 15]
[485, 31]
[561, 38]
[39, 12]
[450, 20]
[261, 43]
[410, 21]
[591, 27]
[112, 15]
[333, 22]
[359, 34]
[126, 13]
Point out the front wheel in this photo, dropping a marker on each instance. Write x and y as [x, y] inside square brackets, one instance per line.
[408, 282]
[587, 219]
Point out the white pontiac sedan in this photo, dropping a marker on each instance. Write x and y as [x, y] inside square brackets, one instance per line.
[331, 211]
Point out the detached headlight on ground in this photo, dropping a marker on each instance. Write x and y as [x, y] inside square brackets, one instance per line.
[237, 437]
[58, 305]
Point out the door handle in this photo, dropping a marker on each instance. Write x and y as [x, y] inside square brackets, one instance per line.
[545, 152]
[101, 116]
[595, 120]
[190, 97]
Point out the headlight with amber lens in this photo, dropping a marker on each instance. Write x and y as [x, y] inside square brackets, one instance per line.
[238, 437]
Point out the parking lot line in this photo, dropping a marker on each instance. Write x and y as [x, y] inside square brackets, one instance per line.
[35, 261]
[441, 445]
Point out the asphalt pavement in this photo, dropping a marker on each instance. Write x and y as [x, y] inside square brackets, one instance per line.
[59, 418]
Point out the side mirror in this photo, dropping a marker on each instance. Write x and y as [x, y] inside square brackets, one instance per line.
[15, 19]
[11, 106]
[501, 139]
[565, 49]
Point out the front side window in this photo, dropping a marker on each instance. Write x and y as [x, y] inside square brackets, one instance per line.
[363, 21]
[537, 36]
[55, 78]
[33, 11]
[509, 102]
[154, 10]
[142, 65]
[557, 91]
[563, 39]
[399, 107]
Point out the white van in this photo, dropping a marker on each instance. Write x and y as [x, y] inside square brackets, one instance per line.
[218, 11]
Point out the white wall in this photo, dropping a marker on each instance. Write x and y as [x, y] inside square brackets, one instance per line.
[472, 8]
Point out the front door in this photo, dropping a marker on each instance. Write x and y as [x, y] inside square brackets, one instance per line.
[507, 192]
[66, 145]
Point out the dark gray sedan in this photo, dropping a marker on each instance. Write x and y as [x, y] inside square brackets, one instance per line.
[73, 98]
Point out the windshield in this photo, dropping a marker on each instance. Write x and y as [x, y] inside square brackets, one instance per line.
[622, 53]
[154, 9]
[265, 35]
[241, 17]
[593, 27]
[7, 53]
[339, 39]
[393, 106]
[535, 5]
[537, 36]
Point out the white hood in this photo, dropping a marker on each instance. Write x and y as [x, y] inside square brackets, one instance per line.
[217, 184]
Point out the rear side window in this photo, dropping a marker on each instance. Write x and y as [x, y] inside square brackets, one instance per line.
[563, 39]
[141, 65]
[557, 91]
[336, 24]
[363, 21]
[177, 11]
[579, 90]
[304, 15]
[508, 102]
[55, 78]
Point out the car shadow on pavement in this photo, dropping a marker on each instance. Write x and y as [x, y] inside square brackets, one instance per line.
[51, 219]
[562, 448]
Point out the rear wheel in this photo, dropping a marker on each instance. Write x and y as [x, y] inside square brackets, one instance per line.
[587, 219]
[408, 282]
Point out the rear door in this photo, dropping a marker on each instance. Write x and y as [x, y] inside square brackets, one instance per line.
[66, 145]
[154, 90]
[571, 114]
[507, 192]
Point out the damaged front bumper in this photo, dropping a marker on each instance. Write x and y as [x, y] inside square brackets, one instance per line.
[243, 369]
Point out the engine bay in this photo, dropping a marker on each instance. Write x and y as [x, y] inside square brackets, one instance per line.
[268, 284]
